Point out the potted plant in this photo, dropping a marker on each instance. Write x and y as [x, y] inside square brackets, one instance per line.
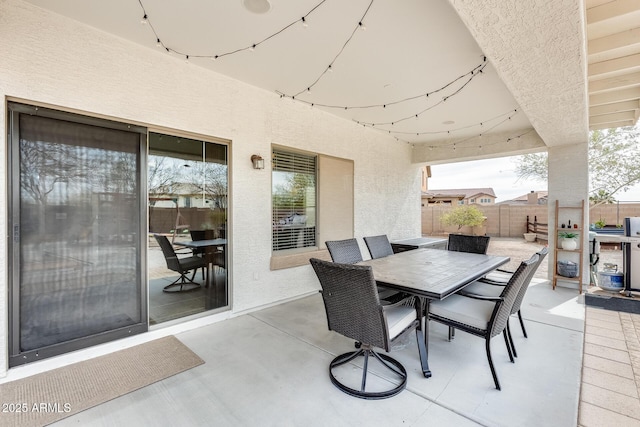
[465, 216]
[569, 241]
[530, 237]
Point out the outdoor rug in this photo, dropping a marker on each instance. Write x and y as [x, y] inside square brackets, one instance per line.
[51, 396]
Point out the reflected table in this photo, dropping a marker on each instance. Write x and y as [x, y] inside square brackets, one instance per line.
[209, 247]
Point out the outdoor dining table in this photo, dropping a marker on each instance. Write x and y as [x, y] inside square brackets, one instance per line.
[208, 246]
[431, 274]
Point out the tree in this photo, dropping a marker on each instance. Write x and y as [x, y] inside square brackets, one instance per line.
[613, 163]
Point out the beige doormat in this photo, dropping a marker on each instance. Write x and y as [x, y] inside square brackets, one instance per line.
[53, 395]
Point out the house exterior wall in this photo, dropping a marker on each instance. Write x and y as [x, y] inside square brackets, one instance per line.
[54, 61]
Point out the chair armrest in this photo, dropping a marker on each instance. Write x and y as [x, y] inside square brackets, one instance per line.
[504, 271]
[492, 282]
[480, 297]
[403, 300]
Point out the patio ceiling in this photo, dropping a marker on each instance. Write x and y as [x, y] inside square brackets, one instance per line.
[613, 32]
[531, 85]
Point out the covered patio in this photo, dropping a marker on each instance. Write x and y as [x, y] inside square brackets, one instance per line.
[524, 86]
[249, 380]
[269, 367]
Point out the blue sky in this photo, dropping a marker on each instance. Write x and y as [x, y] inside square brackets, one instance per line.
[498, 174]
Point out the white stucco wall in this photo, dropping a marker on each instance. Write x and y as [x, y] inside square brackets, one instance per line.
[50, 59]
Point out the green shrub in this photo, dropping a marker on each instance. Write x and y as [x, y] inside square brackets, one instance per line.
[463, 216]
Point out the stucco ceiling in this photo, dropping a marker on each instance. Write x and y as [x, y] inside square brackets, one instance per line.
[613, 32]
[409, 49]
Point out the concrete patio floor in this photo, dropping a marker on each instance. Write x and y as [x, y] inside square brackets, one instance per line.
[269, 367]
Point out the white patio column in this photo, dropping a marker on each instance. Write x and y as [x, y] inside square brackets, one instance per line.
[569, 183]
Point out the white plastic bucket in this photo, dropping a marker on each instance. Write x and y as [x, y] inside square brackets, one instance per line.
[611, 280]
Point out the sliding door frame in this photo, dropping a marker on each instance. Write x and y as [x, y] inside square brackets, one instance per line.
[16, 356]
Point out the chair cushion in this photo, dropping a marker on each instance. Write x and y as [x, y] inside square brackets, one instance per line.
[498, 276]
[484, 289]
[469, 311]
[399, 318]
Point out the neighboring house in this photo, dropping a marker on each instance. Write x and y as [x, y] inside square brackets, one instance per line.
[186, 195]
[532, 198]
[460, 196]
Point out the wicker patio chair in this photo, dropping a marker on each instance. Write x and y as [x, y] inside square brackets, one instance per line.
[344, 251]
[484, 316]
[354, 310]
[466, 243]
[179, 265]
[378, 246]
[493, 284]
[348, 252]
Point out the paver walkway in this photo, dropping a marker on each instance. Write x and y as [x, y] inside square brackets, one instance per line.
[610, 394]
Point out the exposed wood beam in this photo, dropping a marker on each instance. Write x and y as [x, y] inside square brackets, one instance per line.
[615, 41]
[611, 10]
[626, 63]
[612, 118]
[618, 82]
[615, 96]
[614, 108]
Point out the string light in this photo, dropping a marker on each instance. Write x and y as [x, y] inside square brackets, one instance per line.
[509, 113]
[472, 73]
[455, 144]
[330, 68]
[360, 26]
[146, 20]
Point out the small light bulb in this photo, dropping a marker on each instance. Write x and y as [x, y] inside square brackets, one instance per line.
[158, 43]
[143, 21]
[362, 26]
[304, 22]
[186, 59]
[252, 48]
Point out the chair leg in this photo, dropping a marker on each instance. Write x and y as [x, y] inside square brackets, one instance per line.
[513, 344]
[452, 333]
[493, 370]
[508, 344]
[524, 331]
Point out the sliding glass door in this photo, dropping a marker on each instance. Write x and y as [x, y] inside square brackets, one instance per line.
[188, 198]
[77, 223]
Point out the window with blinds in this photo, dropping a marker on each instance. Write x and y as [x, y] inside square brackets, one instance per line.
[293, 200]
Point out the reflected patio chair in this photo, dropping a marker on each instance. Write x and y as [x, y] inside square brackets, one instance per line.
[179, 265]
[354, 310]
[466, 243]
[493, 284]
[216, 254]
[484, 316]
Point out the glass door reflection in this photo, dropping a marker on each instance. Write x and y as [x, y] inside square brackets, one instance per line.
[188, 199]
